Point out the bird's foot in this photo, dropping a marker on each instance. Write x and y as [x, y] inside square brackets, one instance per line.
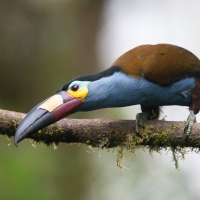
[139, 122]
[190, 121]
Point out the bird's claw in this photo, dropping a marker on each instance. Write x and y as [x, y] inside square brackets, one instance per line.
[190, 121]
[139, 122]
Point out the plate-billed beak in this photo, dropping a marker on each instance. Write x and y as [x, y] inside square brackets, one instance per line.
[46, 113]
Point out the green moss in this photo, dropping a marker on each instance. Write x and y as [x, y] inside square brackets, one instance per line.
[13, 124]
[160, 141]
[48, 135]
[52, 130]
[101, 141]
[120, 157]
[88, 142]
[161, 138]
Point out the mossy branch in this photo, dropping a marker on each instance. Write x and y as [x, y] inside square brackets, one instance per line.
[106, 133]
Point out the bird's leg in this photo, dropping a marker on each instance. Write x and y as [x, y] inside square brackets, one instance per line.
[190, 121]
[139, 122]
[148, 112]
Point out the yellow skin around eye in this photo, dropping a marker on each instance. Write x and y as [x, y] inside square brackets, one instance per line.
[81, 93]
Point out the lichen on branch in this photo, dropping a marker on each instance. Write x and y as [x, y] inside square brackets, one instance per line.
[106, 133]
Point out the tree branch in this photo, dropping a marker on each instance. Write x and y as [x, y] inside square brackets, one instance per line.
[106, 133]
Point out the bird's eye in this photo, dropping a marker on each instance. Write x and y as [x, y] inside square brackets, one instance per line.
[75, 87]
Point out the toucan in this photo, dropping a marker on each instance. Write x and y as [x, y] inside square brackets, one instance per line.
[149, 75]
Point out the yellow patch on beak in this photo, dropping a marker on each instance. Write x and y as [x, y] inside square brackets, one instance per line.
[81, 93]
[52, 103]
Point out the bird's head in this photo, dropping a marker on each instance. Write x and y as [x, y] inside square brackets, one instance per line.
[81, 94]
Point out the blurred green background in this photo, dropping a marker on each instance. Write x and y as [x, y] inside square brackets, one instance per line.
[45, 43]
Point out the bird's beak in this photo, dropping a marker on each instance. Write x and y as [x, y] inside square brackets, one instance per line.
[46, 113]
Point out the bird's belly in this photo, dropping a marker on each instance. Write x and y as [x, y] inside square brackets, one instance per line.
[178, 93]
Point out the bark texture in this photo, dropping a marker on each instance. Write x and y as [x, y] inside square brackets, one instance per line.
[106, 133]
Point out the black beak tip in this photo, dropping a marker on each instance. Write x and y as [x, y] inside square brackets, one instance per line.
[17, 138]
[16, 142]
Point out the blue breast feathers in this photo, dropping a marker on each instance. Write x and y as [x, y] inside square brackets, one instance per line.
[120, 90]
